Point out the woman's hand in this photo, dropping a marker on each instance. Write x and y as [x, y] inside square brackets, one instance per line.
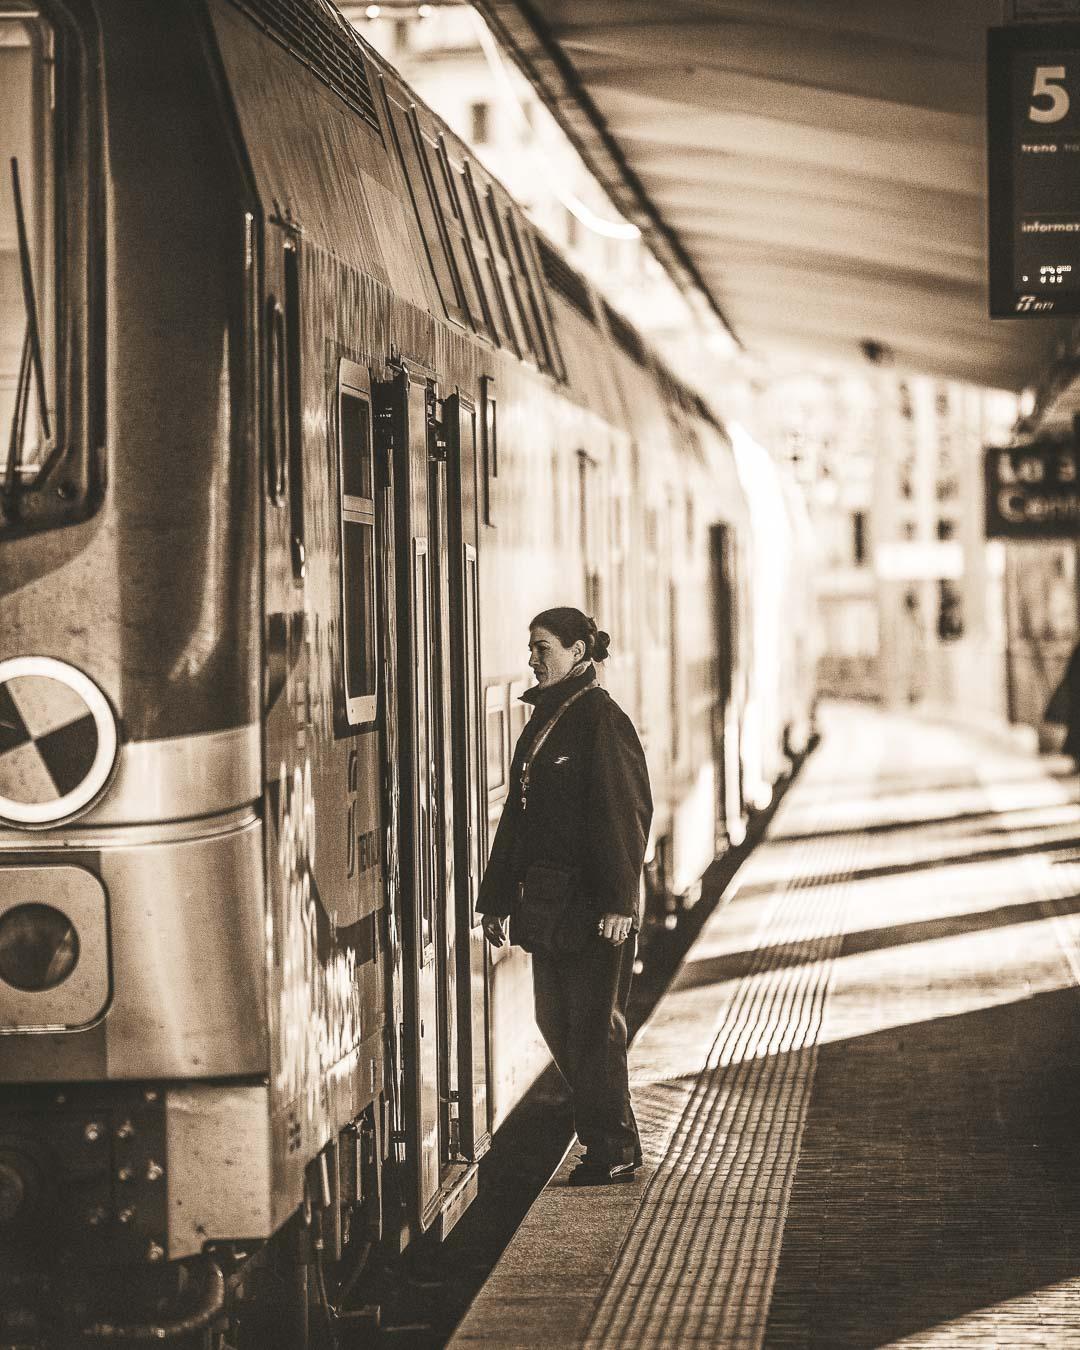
[614, 928]
[494, 929]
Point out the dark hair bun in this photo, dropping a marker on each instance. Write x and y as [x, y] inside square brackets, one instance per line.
[569, 625]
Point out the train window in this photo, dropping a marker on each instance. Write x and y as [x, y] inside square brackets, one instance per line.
[619, 565]
[950, 624]
[858, 538]
[478, 114]
[511, 286]
[947, 488]
[356, 469]
[28, 245]
[357, 547]
[294, 422]
[538, 299]
[585, 501]
[530, 307]
[675, 699]
[556, 501]
[519, 712]
[489, 445]
[495, 728]
[423, 764]
[652, 575]
[476, 813]
[588, 517]
[442, 175]
[277, 405]
[406, 137]
[423, 751]
[485, 257]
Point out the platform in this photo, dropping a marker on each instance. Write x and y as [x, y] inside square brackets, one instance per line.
[860, 1099]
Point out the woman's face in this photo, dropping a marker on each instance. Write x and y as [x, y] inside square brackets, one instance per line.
[549, 660]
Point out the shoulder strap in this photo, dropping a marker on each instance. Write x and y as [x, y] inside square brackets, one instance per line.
[544, 733]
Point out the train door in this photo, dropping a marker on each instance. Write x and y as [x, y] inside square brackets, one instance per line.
[470, 809]
[725, 717]
[433, 742]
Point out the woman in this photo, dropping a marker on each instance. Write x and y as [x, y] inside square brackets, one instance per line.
[565, 867]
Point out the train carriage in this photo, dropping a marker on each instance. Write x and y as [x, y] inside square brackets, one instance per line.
[306, 423]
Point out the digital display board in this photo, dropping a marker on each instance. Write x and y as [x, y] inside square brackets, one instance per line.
[1033, 491]
[1033, 127]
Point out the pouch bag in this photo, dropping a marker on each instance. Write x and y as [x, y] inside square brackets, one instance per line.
[549, 915]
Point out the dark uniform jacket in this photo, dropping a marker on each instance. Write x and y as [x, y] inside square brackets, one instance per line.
[589, 804]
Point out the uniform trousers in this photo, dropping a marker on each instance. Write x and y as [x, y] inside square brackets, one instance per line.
[580, 1000]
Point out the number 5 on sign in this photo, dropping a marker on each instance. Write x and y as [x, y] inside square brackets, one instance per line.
[1045, 87]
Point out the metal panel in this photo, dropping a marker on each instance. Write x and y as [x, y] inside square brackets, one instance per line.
[180, 777]
[219, 1156]
[317, 35]
[188, 964]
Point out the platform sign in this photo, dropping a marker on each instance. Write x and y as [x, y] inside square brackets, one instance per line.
[1033, 491]
[1033, 73]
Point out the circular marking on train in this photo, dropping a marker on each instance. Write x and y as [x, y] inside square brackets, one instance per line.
[58, 741]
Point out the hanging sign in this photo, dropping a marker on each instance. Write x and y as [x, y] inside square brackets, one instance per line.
[1033, 72]
[1033, 491]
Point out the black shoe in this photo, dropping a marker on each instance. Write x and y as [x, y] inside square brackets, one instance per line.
[601, 1174]
[594, 1161]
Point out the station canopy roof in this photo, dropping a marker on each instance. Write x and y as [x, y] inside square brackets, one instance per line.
[816, 171]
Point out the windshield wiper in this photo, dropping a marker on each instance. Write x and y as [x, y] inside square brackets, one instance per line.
[31, 368]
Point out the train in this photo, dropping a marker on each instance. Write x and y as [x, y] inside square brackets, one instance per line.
[305, 421]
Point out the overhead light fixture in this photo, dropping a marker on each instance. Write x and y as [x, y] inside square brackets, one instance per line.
[373, 11]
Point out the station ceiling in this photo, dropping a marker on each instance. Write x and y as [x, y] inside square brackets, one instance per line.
[817, 171]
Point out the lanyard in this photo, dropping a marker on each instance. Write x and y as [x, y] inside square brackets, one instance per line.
[536, 746]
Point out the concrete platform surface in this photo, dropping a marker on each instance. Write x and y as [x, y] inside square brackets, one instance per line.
[860, 1100]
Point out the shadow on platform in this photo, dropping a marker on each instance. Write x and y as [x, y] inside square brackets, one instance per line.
[853, 876]
[759, 960]
[959, 819]
[937, 1178]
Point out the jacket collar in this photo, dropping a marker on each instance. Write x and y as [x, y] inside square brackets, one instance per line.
[547, 700]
